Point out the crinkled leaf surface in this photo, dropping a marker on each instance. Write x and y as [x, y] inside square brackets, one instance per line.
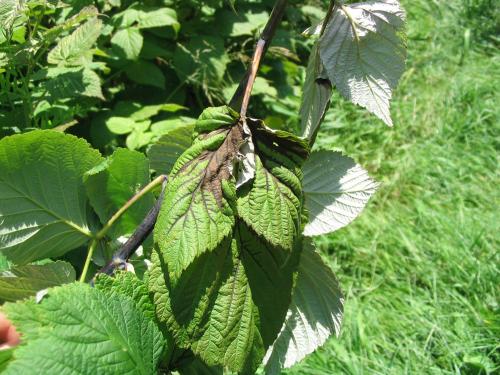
[271, 206]
[363, 50]
[10, 12]
[221, 285]
[72, 82]
[44, 209]
[129, 285]
[75, 49]
[88, 332]
[113, 182]
[25, 281]
[196, 216]
[316, 96]
[314, 315]
[336, 190]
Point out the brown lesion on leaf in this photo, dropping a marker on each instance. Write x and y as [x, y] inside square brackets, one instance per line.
[221, 161]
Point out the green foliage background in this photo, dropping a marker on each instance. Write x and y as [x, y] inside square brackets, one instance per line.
[420, 266]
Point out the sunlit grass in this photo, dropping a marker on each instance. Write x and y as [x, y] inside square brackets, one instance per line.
[420, 267]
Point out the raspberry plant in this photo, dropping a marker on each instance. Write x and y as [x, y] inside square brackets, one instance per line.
[231, 282]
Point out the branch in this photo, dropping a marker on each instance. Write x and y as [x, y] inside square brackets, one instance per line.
[157, 181]
[120, 257]
[240, 99]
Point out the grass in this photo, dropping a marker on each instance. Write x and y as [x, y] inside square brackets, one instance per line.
[420, 267]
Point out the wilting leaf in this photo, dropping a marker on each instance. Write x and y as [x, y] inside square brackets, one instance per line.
[336, 191]
[196, 215]
[363, 51]
[221, 284]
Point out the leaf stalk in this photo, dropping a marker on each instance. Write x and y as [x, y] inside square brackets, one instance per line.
[120, 257]
[156, 182]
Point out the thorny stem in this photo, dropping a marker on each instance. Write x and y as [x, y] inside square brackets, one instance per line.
[245, 87]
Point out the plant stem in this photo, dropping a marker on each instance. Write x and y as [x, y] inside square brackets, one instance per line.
[157, 181]
[120, 257]
[90, 253]
[251, 79]
[93, 244]
[263, 43]
[328, 15]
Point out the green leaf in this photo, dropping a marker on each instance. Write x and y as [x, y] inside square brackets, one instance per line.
[127, 18]
[195, 216]
[65, 83]
[221, 287]
[363, 50]
[25, 281]
[76, 48]
[84, 14]
[4, 263]
[272, 206]
[232, 24]
[91, 331]
[314, 315]
[140, 112]
[10, 12]
[127, 284]
[158, 18]
[197, 367]
[201, 59]
[163, 154]
[112, 183]
[154, 47]
[128, 42]
[139, 138]
[146, 73]
[316, 96]
[5, 356]
[44, 210]
[251, 302]
[166, 126]
[120, 125]
[336, 190]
